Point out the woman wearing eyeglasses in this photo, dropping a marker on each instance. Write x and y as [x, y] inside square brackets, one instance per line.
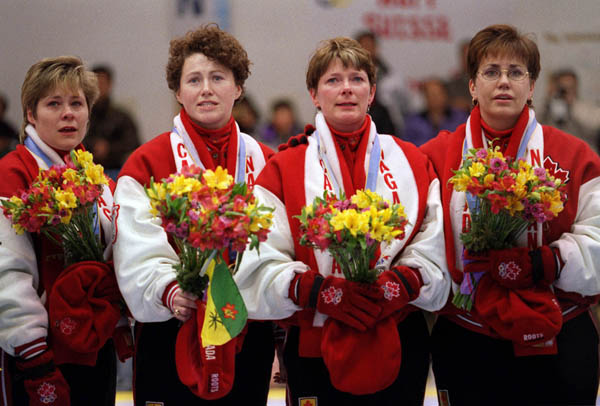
[473, 360]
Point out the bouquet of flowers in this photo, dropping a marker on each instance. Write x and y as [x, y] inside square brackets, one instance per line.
[351, 229]
[505, 196]
[206, 213]
[61, 204]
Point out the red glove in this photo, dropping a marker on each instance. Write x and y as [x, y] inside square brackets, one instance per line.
[44, 383]
[517, 268]
[123, 340]
[346, 301]
[400, 285]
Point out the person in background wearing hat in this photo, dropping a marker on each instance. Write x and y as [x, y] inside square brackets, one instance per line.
[206, 70]
[290, 282]
[36, 367]
[473, 360]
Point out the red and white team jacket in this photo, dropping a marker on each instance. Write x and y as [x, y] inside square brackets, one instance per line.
[143, 257]
[575, 232]
[295, 176]
[30, 263]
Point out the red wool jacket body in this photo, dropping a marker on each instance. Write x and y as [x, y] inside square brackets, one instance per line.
[575, 232]
[291, 180]
[144, 258]
[30, 263]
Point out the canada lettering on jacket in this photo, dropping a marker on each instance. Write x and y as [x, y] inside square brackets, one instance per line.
[389, 180]
[209, 352]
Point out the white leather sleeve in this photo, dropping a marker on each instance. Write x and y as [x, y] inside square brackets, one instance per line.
[264, 279]
[427, 253]
[580, 248]
[143, 257]
[23, 317]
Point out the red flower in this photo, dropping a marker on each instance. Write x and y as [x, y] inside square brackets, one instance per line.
[229, 311]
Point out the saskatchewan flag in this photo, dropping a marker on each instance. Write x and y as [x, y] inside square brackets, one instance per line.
[226, 313]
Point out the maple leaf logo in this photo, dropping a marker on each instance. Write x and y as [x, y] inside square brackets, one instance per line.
[555, 171]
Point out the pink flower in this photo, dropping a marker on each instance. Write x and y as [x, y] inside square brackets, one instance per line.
[497, 165]
[481, 153]
[540, 173]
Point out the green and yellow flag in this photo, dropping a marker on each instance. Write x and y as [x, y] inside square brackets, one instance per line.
[226, 313]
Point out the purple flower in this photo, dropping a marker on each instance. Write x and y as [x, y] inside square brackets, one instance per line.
[481, 153]
[497, 165]
[540, 173]
[171, 227]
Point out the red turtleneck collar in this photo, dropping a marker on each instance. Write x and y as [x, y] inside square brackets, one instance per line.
[216, 141]
[507, 140]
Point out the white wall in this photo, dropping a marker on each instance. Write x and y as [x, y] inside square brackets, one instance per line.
[279, 35]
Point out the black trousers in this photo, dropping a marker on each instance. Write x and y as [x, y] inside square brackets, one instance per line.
[308, 377]
[474, 369]
[155, 373]
[94, 386]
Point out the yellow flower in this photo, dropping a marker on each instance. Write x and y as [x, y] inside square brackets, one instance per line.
[65, 199]
[18, 228]
[477, 169]
[180, 186]
[84, 158]
[556, 204]
[157, 192]
[219, 179]
[95, 175]
[460, 182]
[16, 200]
[361, 199]
[488, 179]
[67, 218]
[514, 204]
[71, 175]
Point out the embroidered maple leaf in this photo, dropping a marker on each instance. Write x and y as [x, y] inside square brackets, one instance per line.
[391, 290]
[555, 171]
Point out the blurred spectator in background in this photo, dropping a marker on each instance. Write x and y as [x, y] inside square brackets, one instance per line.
[392, 99]
[112, 135]
[246, 115]
[563, 109]
[283, 124]
[458, 85]
[438, 114]
[8, 135]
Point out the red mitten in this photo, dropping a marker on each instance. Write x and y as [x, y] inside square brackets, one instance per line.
[83, 311]
[346, 301]
[44, 383]
[516, 268]
[523, 316]
[123, 340]
[208, 372]
[400, 285]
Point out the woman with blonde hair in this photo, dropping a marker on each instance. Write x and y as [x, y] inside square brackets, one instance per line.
[343, 152]
[57, 96]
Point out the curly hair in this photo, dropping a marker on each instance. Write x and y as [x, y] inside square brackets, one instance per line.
[350, 52]
[215, 44]
[50, 73]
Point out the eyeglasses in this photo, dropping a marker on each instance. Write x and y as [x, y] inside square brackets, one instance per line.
[515, 74]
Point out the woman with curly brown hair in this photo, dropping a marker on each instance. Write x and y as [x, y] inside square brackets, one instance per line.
[206, 70]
